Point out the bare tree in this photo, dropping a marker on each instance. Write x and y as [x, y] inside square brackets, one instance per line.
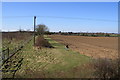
[41, 29]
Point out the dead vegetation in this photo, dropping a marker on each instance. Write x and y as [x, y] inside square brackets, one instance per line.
[106, 69]
[41, 42]
[15, 35]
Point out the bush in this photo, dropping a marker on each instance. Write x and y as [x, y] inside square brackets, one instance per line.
[106, 68]
[94, 35]
[107, 35]
[41, 42]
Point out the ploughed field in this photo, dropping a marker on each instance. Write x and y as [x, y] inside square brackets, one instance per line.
[96, 47]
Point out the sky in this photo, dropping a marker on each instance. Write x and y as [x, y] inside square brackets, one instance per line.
[60, 0]
[61, 16]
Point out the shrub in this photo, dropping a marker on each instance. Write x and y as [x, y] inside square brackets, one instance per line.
[106, 68]
[41, 42]
[107, 35]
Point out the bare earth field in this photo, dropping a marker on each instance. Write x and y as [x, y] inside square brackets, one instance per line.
[96, 47]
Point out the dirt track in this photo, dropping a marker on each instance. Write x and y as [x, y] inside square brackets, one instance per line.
[96, 47]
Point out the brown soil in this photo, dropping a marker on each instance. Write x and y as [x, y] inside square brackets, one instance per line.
[96, 47]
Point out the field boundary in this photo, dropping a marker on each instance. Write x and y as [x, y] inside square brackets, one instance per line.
[7, 53]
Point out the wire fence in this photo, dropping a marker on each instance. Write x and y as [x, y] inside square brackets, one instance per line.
[8, 53]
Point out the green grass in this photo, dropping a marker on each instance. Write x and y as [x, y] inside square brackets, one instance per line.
[54, 62]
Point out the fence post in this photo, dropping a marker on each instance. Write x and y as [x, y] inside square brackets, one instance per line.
[34, 28]
[3, 57]
[8, 52]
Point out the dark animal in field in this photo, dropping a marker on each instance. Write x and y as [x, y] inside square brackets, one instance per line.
[67, 46]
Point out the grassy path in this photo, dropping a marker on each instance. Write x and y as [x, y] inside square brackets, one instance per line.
[54, 62]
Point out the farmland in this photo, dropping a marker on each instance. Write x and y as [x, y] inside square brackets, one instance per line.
[46, 62]
[96, 47]
[36, 61]
[53, 62]
[61, 39]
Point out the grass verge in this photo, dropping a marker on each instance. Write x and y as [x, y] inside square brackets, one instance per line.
[54, 62]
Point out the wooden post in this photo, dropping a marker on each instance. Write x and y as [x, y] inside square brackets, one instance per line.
[8, 53]
[34, 28]
[3, 57]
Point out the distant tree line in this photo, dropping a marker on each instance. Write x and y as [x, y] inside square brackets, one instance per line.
[42, 29]
[70, 33]
[84, 34]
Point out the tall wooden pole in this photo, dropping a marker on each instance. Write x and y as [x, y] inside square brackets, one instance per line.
[34, 28]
